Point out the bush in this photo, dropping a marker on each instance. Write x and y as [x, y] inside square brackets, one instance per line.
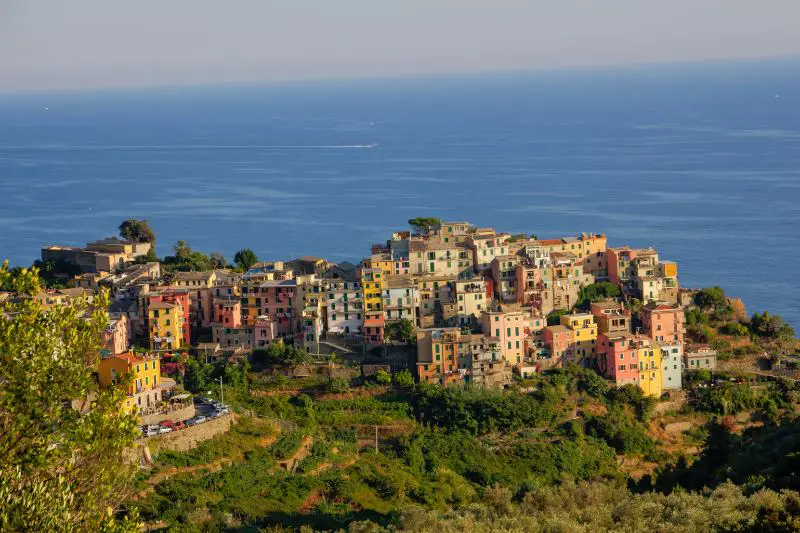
[403, 379]
[382, 377]
[337, 385]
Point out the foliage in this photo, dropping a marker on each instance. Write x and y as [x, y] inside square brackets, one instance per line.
[770, 326]
[424, 224]
[735, 328]
[479, 411]
[60, 468]
[337, 385]
[187, 260]
[244, 436]
[217, 260]
[245, 258]
[621, 432]
[554, 318]
[137, 231]
[401, 331]
[287, 444]
[632, 396]
[281, 354]
[403, 378]
[382, 377]
[710, 298]
[596, 292]
[518, 237]
[609, 507]
[53, 272]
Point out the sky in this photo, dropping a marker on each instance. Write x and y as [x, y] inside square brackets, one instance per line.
[90, 44]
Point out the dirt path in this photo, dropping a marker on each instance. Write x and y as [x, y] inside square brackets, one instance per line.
[311, 501]
[291, 462]
[320, 468]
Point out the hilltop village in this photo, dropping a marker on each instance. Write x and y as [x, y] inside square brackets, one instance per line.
[476, 306]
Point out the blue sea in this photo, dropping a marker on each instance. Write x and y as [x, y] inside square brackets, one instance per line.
[701, 161]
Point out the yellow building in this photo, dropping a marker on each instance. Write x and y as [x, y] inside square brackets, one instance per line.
[382, 262]
[166, 325]
[145, 389]
[584, 347]
[372, 281]
[651, 379]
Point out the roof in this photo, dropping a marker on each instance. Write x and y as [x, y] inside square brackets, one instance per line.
[163, 305]
[558, 329]
[194, 275]
[279, 283]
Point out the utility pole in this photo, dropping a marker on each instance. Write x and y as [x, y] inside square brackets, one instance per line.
[221, 391]
[376, 439]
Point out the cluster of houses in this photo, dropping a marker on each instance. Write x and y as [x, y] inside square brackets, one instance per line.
[479, 301]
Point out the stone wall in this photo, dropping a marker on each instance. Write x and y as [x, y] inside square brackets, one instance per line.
[186, 439]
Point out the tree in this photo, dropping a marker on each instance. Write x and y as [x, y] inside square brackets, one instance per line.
[137, 231]
[61, 469]
[424, 224]
[403, 378]
[401, 331]
[217, 260]
[245, 258]
[182, 250]
[596, 292]
[771, 326]
[554, 318]
[710, 297]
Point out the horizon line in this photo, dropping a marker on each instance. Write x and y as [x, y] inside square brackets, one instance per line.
[337, 80]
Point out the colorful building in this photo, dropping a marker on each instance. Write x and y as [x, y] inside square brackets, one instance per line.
[508, 328]
[400, 299]
[374, 323]
[372, 283]
[619, 358]
[438, 356]
[558, 341]
[584, 338]
[146, 388]
[663, 323]
[166, 323]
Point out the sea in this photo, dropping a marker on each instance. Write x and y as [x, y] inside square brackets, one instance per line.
[700, 160]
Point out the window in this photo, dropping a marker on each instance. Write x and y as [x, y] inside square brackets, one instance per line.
[516, 331]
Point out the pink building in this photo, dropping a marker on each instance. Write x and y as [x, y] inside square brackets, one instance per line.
[272, 299]
[227, 312]
[663, 323]
[508, 328]
[117, 336]
[618, 358]
[559, 340]
[373, 327]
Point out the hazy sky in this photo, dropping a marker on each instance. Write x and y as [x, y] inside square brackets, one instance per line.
[54, 44]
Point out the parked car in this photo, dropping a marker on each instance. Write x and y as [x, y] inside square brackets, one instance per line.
[151, 430]
[198, 419]
[214, 414]
[167, 424]
[179, 425]
[223, 411]
[165, 429]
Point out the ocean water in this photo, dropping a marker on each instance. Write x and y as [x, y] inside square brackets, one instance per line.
[701, 161]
